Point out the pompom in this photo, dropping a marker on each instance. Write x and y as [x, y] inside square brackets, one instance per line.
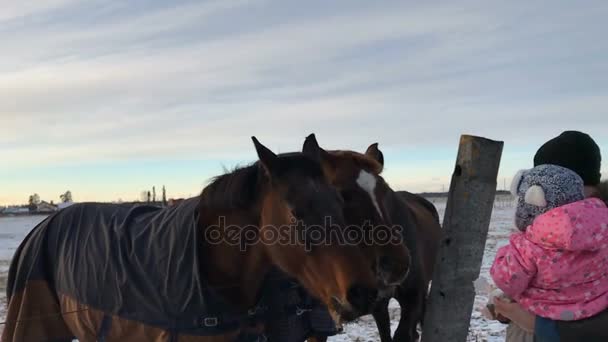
[536, 196]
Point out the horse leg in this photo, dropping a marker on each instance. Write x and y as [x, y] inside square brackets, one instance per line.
[383, 320]
[412, 312]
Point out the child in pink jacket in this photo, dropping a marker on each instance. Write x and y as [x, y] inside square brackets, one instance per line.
[557, 266]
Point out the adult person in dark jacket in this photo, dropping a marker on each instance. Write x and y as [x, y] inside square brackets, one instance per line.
[578, 152]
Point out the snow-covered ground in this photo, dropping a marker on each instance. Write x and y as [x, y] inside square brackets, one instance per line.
[14, 229]
[12, 232]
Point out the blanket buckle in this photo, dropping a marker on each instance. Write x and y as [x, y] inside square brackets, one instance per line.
[300, 311]
[258, 309]
[210, 321]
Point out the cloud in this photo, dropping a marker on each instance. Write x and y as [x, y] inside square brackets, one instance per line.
[82, 82]
[16, 10]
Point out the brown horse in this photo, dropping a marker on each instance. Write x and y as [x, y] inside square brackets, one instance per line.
[357, 178]
[368, 198]
[111, 273]
[425, 233]
[422, 233]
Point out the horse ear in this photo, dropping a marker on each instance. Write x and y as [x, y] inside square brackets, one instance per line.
[311, 148]
[374, 152]
[267, 158]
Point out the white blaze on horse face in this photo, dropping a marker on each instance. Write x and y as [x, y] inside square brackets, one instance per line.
[367, 182]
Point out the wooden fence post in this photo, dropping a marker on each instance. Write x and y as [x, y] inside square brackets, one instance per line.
[465, 229]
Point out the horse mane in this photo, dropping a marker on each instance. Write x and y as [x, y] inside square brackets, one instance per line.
[360, 160]
[237, 189]
[240, 188]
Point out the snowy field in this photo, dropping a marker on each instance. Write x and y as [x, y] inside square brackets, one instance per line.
[14, 229]
[12, 232]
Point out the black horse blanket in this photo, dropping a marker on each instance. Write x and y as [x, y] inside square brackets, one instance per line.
[141, 263]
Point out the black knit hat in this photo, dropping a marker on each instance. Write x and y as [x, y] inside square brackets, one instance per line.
[575, 151]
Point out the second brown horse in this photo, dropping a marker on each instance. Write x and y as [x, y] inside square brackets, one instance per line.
[406, 270]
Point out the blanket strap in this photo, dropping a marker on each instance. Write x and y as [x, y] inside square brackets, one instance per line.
[259, 312]
[104, 328]
[264, 310]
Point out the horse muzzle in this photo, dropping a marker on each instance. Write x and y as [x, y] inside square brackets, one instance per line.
[360, 300]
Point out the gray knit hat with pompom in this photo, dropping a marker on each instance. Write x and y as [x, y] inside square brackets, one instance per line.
[543, 188]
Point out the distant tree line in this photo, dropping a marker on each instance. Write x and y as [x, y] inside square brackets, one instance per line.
[66, 197]
[34, 200]
[149, 196]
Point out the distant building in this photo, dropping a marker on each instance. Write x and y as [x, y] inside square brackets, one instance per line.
[46, 207]
[15, 210]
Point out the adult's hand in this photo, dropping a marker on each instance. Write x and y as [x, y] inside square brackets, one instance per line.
[514, 312]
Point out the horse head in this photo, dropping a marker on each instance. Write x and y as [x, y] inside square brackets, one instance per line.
[300, 203]
[367, 203]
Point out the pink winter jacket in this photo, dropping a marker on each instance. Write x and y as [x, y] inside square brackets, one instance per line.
[558, 268]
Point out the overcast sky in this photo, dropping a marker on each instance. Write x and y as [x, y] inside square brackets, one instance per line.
[109, 98]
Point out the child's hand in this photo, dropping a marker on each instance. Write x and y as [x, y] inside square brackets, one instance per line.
[492, 314]
[489, 311]
[514, 312]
